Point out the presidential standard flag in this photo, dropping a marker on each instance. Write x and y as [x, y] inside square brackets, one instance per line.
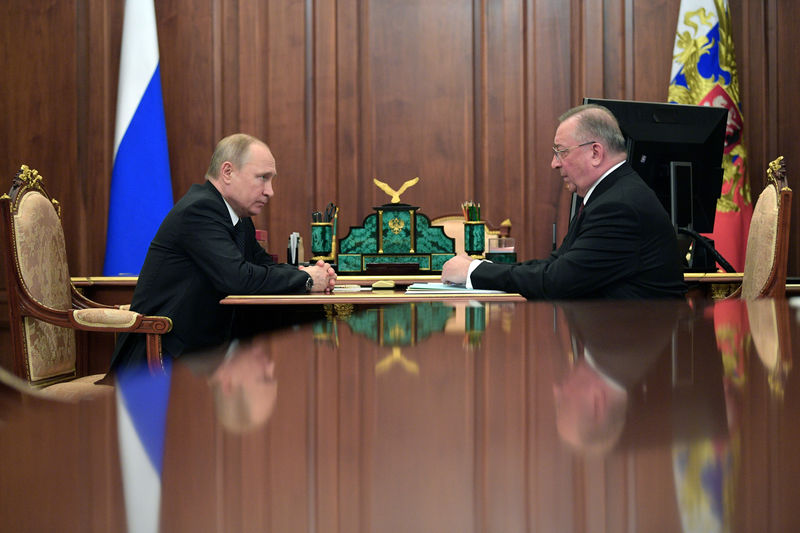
[704, 73]
[141, 192]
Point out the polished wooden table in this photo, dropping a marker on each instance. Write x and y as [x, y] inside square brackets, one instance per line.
[436, 416]
[367, 297]
[378, 296]
[119, 290]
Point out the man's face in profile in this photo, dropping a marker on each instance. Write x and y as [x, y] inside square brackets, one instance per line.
[575, 164]
[250, 187]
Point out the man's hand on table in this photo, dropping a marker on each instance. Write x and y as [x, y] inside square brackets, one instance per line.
[323, 275]
[455, 269]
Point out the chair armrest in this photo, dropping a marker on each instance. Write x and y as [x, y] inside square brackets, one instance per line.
[119, 320]
[123, 320]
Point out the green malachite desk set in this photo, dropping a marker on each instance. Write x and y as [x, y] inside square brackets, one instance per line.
[396, 234]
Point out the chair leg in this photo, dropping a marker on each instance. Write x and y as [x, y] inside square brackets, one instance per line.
[154, 361]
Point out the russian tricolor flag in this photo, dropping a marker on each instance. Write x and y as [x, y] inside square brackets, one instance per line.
[141, 191]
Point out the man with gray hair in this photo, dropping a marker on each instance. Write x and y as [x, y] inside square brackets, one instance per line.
[205, 249]
[620, 245]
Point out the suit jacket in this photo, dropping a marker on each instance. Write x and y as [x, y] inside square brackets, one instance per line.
[622, 246]
[192, 263]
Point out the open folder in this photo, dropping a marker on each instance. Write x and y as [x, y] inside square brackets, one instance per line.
[448, 288]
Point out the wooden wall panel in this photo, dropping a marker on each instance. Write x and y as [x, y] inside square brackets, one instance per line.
[500, 183]
[187, 80]
[347, 166]
[276, 105]
[420, 69]
[39, 105]
[549, 79]
[785, 117]
[654, 24]
[463, 93]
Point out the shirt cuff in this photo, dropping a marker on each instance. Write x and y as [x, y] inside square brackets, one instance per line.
[472, 266]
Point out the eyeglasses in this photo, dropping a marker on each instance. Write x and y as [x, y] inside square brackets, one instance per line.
[561, 153]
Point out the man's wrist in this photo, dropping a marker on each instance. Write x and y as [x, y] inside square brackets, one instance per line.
[309, 283]
[472, 266]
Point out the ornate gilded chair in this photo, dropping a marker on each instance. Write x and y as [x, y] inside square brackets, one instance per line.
[454, 228]
[768, 239]
[45, 309]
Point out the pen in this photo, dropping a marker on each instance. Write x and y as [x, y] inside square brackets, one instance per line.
[329, 212]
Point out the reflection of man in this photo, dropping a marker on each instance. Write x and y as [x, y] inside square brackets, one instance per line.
[242, 381]
[206, 249]
[618, 351]
[590, 409]
[620, 245]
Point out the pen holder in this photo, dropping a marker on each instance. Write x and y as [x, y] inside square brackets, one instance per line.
[474, 236]
[322, 241]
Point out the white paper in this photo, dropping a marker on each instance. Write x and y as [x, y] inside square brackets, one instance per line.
[446, 287]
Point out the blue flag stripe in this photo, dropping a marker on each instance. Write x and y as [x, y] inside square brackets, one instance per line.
[141, 190]
[146, 397]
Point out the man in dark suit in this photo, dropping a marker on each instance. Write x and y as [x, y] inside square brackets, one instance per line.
[206, 249]
[620, 245]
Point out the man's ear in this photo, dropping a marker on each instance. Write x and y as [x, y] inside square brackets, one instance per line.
[598, 154]
[226, 171]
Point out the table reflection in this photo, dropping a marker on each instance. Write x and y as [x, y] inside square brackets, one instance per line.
[241, 378]
[652, 416]
[612, 356]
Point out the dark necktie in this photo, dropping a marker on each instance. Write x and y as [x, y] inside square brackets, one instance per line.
[239, 235]
[580, 210]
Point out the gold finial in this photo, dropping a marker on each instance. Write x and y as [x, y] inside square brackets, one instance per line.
[29, 176]
[395, 194]
[776, 173]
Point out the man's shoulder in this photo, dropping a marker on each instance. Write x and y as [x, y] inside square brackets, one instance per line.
[199, 190]
[626, 173]
[625, 178]
[202, 195]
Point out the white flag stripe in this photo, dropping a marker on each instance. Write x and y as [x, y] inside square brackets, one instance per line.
[138, 61]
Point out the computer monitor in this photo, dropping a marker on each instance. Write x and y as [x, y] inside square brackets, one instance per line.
[677, 150]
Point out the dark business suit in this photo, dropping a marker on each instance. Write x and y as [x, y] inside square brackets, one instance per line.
[192, 263]
[622, 246]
